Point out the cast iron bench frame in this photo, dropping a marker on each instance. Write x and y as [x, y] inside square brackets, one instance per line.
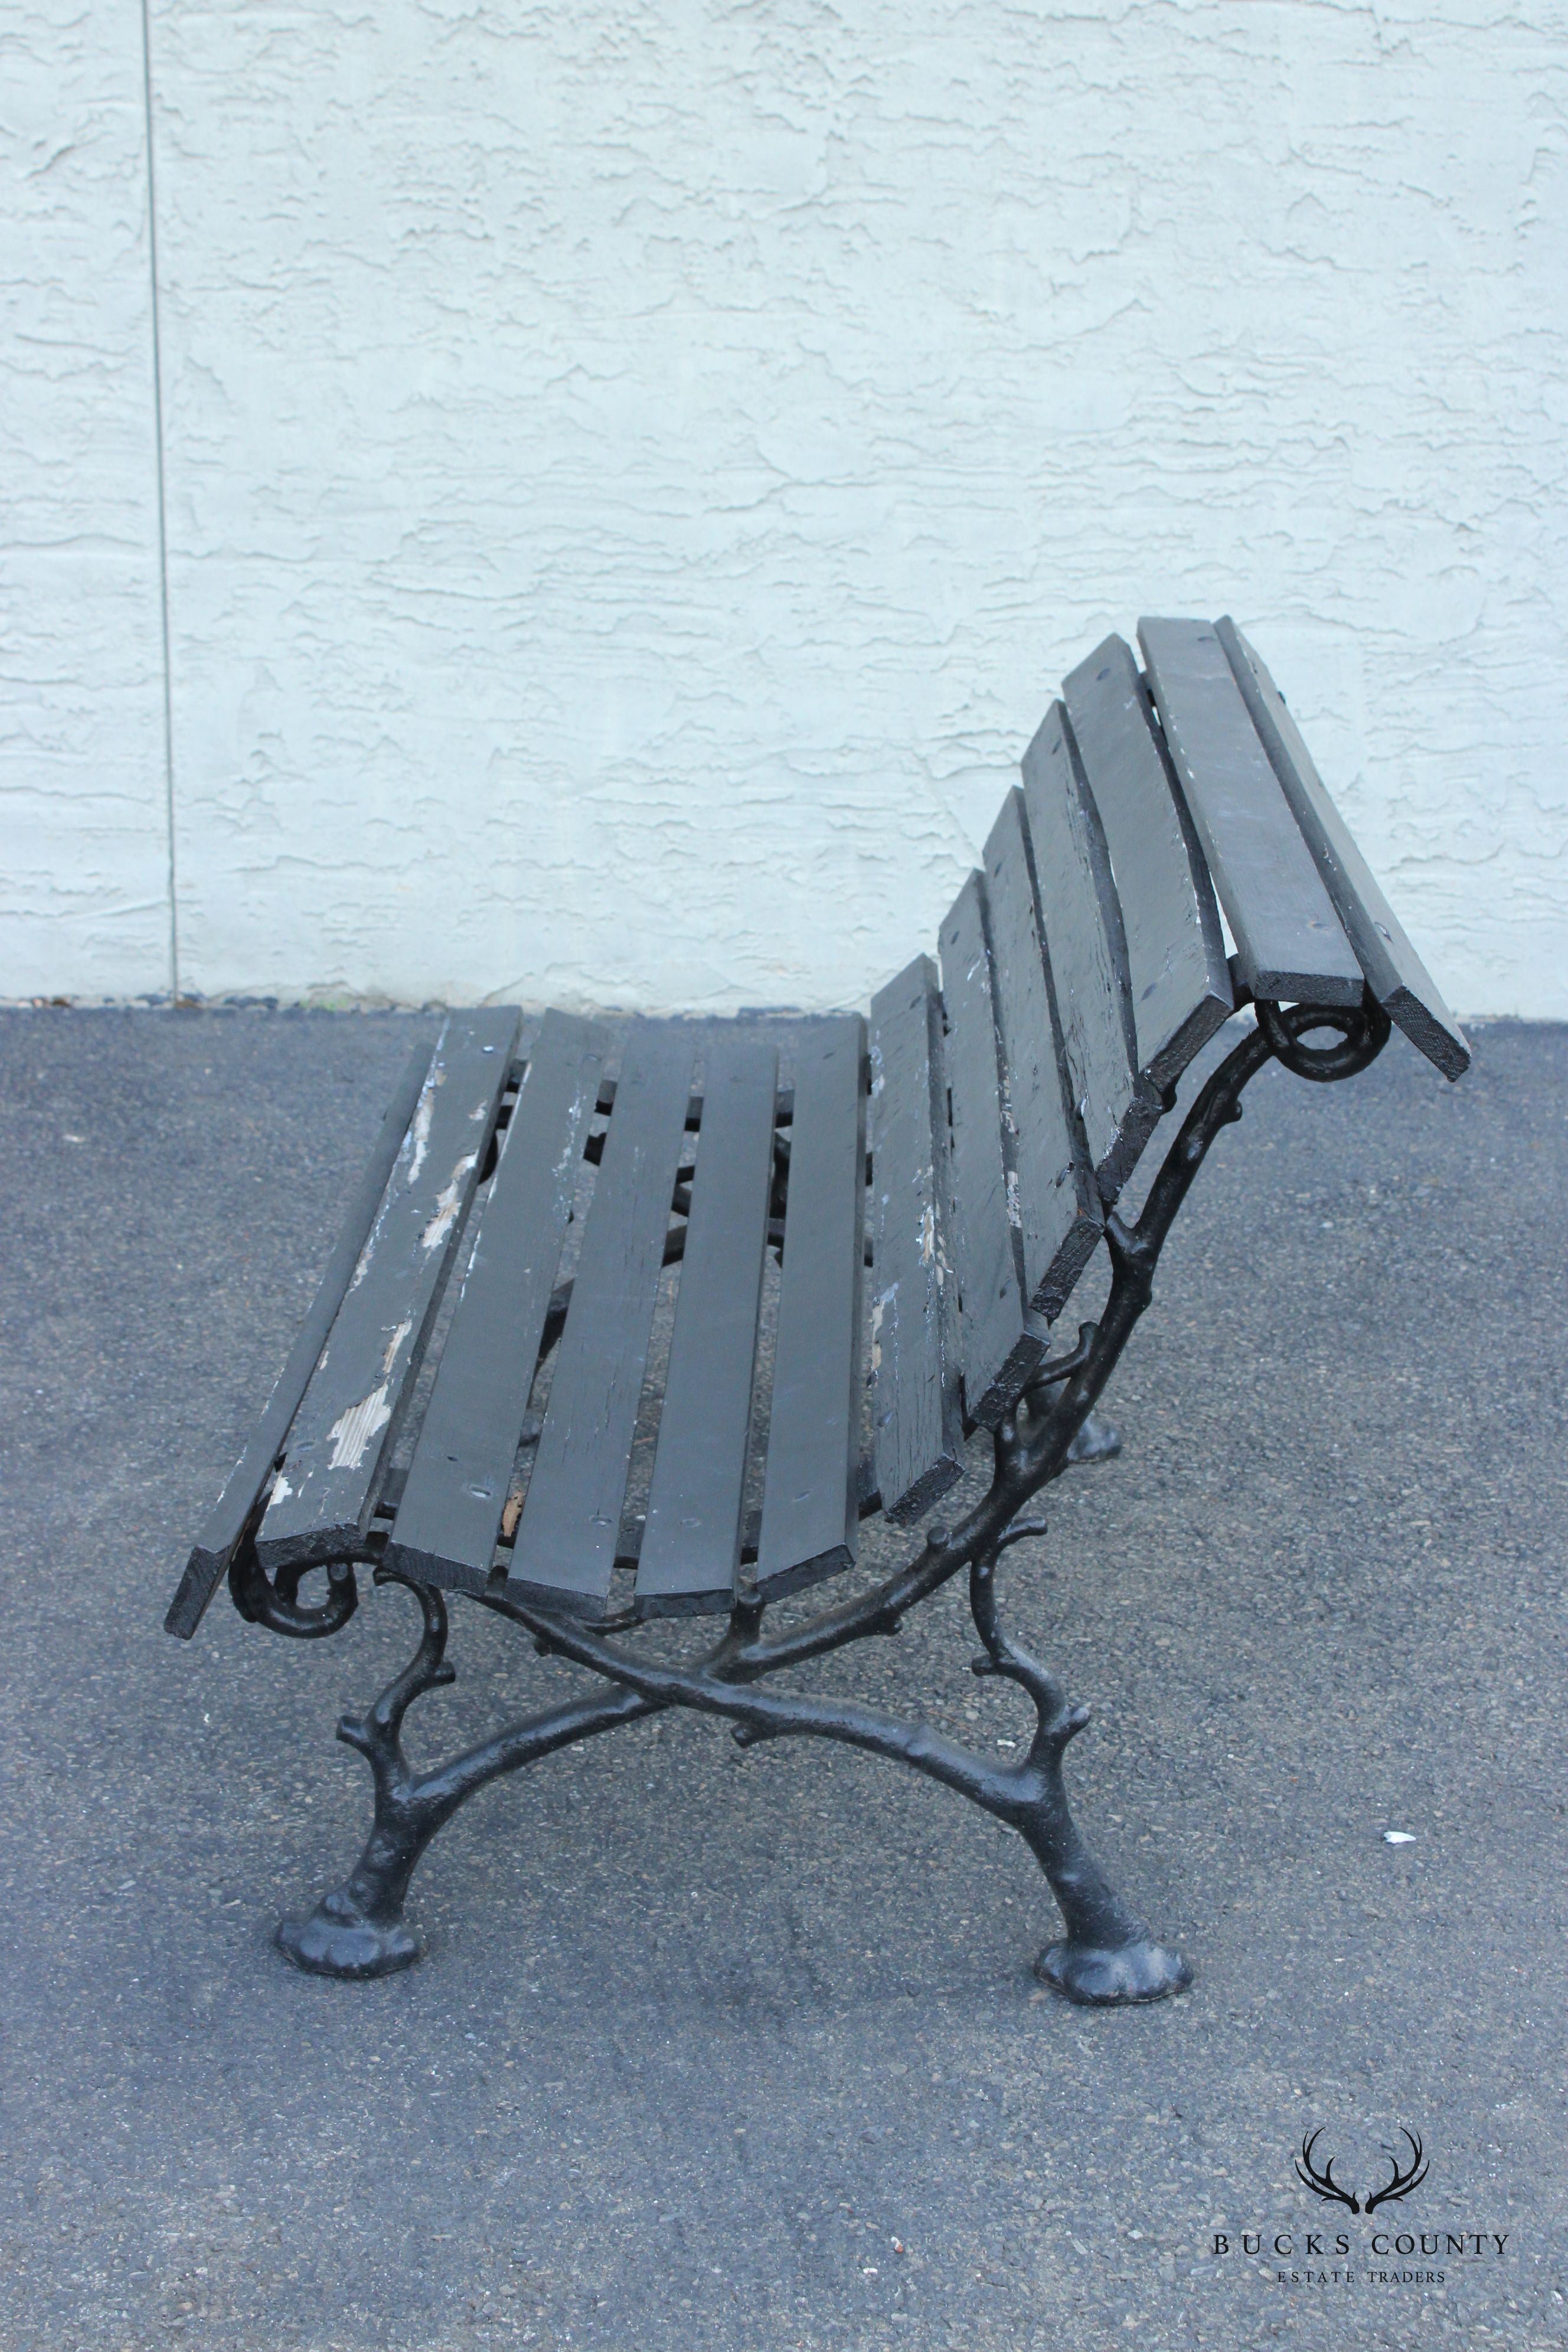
[1316, 951]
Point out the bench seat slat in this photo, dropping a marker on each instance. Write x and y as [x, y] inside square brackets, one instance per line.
[219, 1539]
[916, 1422]
[1001, 1342]
[1395, 973]
[565, 1549]
[1290, 941]
[1054, 1196]
[326, 1491]
[691, 1539]
[450, 1512]
[1177, 977]
[1081, 927]
[811, 1494]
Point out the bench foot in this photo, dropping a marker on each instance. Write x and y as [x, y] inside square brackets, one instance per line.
[1096, 1441]
[339, 1940]
[1107, 1958]
[359, 1930]
[1098, 1978]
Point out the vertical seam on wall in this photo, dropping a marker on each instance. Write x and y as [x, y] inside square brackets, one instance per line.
[162, 506]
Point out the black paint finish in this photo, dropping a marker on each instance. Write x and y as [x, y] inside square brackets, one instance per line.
[326, 1490]
[1178, 980]
[982, 1107]
[1001, 1342]
[1107, 1958]
[1053, 1198]
[1081, 924]
[219, 1539]
[565, 1547]
[917, 1421]
[1395, 973]
[1290, 941]
[449, 1514]
[811, 1494]
[691, 1540]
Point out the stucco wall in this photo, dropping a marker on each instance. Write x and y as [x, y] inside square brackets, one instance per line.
[634, 476]
[84, 847]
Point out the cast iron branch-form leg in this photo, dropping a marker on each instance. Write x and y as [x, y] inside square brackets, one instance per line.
[358, 1929]
[1106, 1956]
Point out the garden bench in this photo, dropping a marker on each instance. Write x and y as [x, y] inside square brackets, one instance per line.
[873, 1227]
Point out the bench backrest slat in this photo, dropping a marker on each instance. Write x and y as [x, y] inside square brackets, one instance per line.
[1177, 977]
[1290, 941]
[326, 1491]
[917, 1423]
[691, 1539]
[811, 1494]
[566, 1540]
[1081, 921]
[1000, 1341]
[1054, 1196]
[1395, 973]
[215, 1548]
[450, 1511]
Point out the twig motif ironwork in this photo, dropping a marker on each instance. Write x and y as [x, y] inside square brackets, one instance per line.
[1106, 1956]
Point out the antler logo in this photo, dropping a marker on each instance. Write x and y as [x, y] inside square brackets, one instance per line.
[1320, 2180]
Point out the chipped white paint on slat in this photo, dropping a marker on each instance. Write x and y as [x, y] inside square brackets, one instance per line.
[448, 1203]
[353, 1430]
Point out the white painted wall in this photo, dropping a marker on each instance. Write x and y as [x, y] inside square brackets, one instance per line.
[84, 847]
[634, 475]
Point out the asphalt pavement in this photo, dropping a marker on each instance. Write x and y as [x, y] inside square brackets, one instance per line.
[724, 2054]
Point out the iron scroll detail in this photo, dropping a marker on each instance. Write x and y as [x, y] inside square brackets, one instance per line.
[274, 1600]
[1364, 1030]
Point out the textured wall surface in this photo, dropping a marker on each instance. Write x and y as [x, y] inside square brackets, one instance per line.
[84, 849]
[634, 477]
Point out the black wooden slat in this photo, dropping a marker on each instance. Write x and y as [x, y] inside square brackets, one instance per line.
[691, 1539]
[1054, 1195]
[219, 1539]
[917, 1423]
[999, 1342]
[565, 1547]
[1178, 980]
[811, 1494]
[326, 1490]
[1395, 973]
[450, 1515]
[1290, 941]
[1082, 932]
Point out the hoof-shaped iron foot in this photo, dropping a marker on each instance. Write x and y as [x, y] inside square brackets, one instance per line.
[338, 1940]
[1097, 1441]
[1103, 1977]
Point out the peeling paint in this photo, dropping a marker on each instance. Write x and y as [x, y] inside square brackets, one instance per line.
[393, 1345]
[281, 1490]
[878, 1310]
[448, 1203]
[418, 1141]
[351, 1432]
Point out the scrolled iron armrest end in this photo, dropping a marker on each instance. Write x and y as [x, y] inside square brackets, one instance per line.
[274, 1602]
[1364, 1030]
